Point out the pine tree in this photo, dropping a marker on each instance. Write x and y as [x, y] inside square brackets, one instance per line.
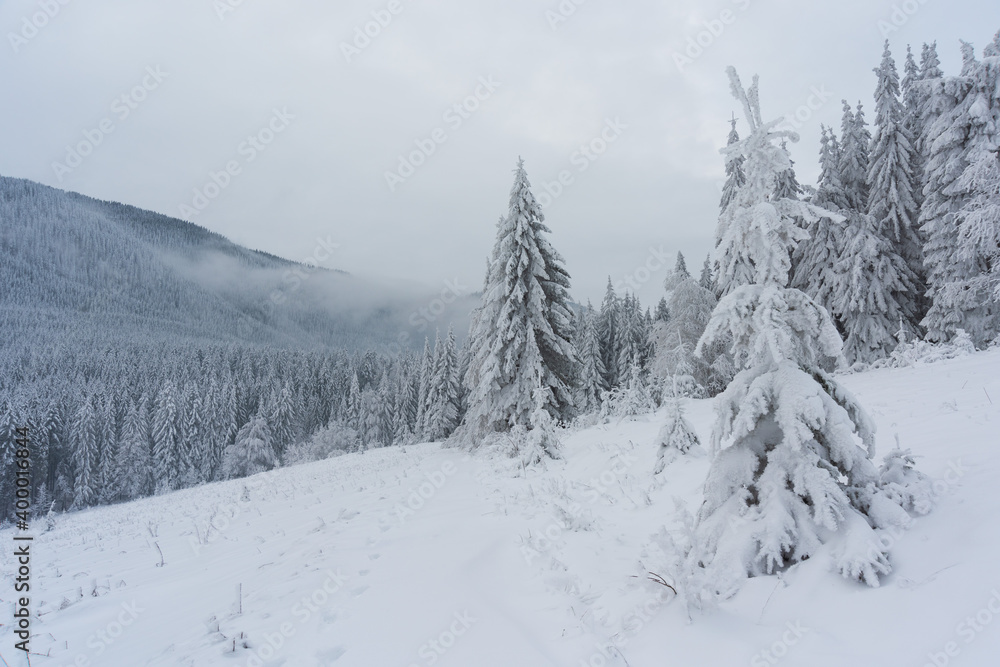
[282, 420]
[876, 299]
[854, 158]
[912, 99]
[607, 332]
[788, 186]
[592, 383]
[816, 260]
[735, 178]
[135, 452]
[791, 475]
[628, 333]
[253, 450]
[166, 438]
[706, 281]
[892, 230]
[85, 455]
[970, 300]
[423, 389]
[662, 311]
[442, 414]
[676, 436]
[520, 335]
[691, 307]
[948, 139]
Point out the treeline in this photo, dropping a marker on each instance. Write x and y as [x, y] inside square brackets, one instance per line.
[917, 251]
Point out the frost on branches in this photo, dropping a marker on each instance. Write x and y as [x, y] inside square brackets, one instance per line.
[791, 448]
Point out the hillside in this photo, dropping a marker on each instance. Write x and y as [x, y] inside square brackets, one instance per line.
[95, 272]
[422, 555]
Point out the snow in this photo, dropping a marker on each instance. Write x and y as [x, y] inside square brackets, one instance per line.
[502, 565]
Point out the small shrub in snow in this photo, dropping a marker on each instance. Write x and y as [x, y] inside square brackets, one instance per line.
[676, 437]
[916, 352]
[629, 400]
[903, 484]
[335, 439]
[253, 450]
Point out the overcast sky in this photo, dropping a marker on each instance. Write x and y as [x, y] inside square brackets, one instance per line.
[201, 77]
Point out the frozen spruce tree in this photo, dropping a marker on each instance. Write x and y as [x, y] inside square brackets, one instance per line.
[590, 381]
[253, 450]
[791, 468]
[876, 299]
[677, 436]
[735, 178]
[890, 185]
[521, 354]
[816, 259]
[960, 187]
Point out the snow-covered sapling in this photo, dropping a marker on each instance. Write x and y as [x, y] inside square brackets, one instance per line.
[676, 437]
[791, 468]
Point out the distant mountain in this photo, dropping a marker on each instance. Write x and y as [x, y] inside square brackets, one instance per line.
[76, 270]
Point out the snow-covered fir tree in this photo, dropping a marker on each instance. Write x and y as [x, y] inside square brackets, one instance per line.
[253, 451]
[520, 336]
[442, 410]
[891, 203]
[591, 383]
[423, 389]
[662, 311]
[962, 140]
[633, 397]
[706, 280]
[911, 96]
[876, 296]
[676, 436]
[691, 307]
[135, 452]
[85, 454]
[167, 439]
[607, 331]
[816, 260]
[788, 186]
[735, 178]
[788, 474]
[854, 157]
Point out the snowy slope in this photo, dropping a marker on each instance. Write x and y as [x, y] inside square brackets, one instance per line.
[345, 563]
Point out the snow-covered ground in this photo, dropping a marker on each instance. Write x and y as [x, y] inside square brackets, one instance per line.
[429, 556]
